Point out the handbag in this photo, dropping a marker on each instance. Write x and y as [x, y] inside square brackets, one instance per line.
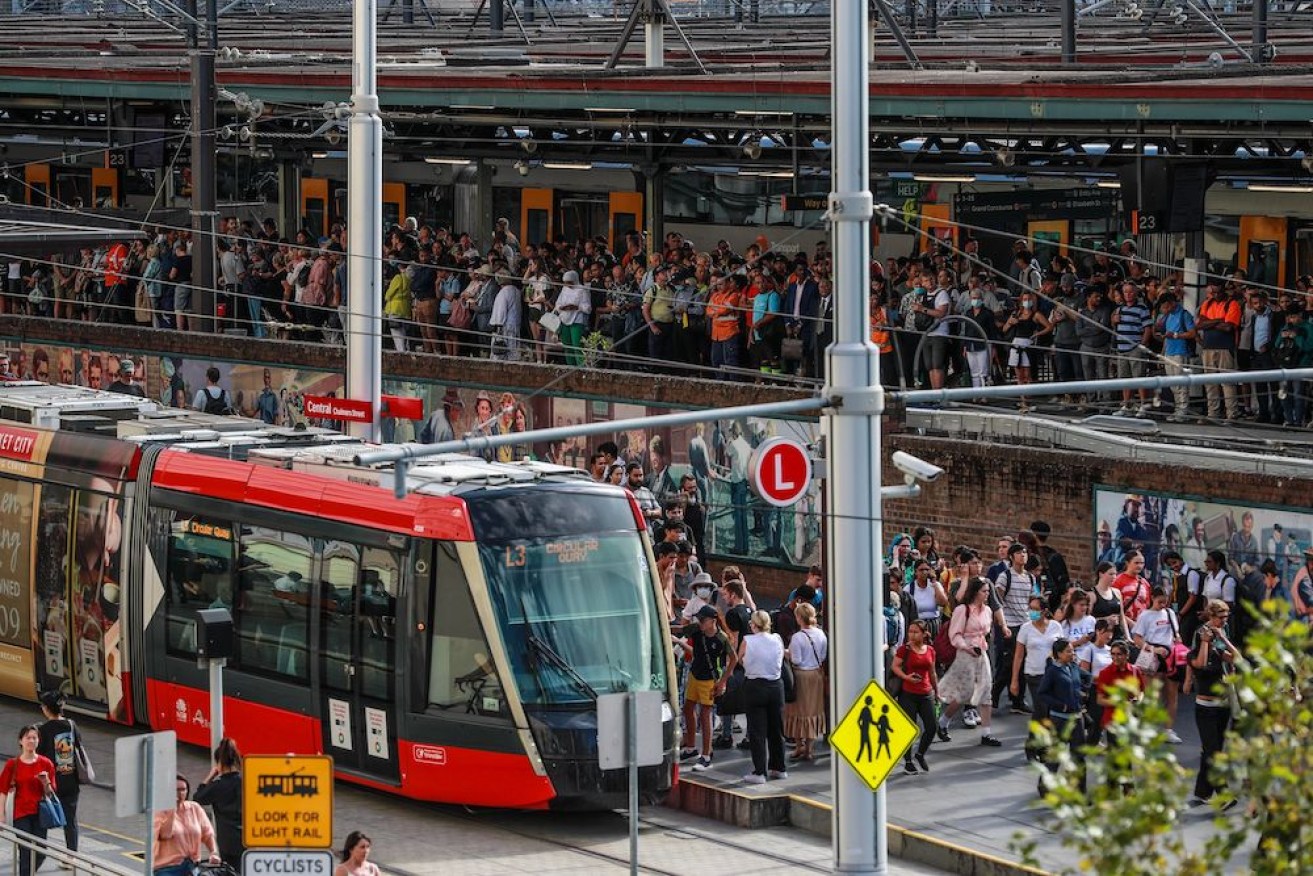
[945, 653]
[734, 700]
[1178, 655]
[791, 349]
[85, 771]
[550, 321]
[1147, 659]
[459, 317]
[50, 812]
[790, 687]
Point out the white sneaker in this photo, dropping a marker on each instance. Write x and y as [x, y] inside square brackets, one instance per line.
[1173, 738]
[779, 774]
[1144, 409]
[1123, 411]
[754, 779]
[970, 719]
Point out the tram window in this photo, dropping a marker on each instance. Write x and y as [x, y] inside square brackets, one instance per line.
[271, 616]
[462, 678]
[200, 576]
[377, 617]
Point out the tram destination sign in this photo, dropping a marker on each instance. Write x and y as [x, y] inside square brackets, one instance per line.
[287, 801]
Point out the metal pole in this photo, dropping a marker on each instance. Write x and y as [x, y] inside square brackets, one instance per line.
[1260, 32]
[631, 741]
[148, 776]
[202, 47]
[654, 34]
[1068, 31]
[853, 430]
[497, 16]
[1071, 387]
[364, 342]
[216, 701]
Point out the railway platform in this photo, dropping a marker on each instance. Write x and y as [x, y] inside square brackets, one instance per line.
[418, 839]
[961, 817]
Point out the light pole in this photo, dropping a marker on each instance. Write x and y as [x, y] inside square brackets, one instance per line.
[852, 425]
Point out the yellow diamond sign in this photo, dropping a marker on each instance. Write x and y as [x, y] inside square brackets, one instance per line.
[874, 735]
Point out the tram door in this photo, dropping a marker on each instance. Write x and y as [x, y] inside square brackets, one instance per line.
[358, 590]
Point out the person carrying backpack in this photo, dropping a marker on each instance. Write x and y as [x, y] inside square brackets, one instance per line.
[212, 398]
[60, 742]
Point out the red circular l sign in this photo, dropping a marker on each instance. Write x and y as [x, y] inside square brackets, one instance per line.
[780, 471]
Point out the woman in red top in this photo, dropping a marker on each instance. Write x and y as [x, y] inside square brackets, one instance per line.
[914, 663]
[1135, 590]
[28, 778]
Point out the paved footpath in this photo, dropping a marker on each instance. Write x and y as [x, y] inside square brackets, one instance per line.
[416, 839]
[975, 797]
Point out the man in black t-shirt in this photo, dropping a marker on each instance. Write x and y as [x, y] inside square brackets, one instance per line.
[737, 620]
[710, 647]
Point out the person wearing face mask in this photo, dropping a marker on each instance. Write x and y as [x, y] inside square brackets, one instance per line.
[981, 346]
[700, 591]
[1030, 657]
[1023, 328]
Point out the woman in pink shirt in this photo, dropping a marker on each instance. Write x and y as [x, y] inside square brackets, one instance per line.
[179, 834]
[968, 680]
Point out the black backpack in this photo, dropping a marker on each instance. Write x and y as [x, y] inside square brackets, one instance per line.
[217, 404]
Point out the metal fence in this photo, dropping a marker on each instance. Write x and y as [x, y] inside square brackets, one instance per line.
[13, 840]
[604, 8]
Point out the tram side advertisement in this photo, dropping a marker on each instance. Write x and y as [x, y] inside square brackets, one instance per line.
[22, 459]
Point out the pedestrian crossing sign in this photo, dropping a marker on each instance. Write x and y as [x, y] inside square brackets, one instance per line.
[874, 735]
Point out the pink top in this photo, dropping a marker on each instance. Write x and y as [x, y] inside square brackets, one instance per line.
[179, 834]
[969, 627]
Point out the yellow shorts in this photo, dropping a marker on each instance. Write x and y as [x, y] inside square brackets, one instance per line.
[699, 692]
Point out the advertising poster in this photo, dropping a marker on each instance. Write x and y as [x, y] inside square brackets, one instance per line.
[1156, 522]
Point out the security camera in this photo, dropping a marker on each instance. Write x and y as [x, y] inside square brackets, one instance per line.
[915, 468]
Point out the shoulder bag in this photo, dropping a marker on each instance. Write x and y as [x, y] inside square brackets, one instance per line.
[50, 812]
[786, 676]
[85, 771]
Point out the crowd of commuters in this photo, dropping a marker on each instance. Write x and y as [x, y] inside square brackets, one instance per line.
[941, 318]
[962, 631]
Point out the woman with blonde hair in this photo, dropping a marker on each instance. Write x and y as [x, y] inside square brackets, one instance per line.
[804, 718]
[762, 654]
[1211, 660]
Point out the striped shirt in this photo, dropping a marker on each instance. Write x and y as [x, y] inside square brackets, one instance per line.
[1130, 322]
[1014, 591]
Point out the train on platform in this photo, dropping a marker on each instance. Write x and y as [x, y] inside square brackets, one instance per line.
[448, 645]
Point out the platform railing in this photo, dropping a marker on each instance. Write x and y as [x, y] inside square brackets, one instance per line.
[77, 862]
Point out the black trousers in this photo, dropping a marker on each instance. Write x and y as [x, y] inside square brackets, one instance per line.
[1072, 729]
[921, 707]
[1212, 723]
[1006, 646]
[29, 824]
[70, 804]
[765, 701]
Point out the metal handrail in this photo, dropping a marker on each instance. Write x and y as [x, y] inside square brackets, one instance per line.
[77, 861]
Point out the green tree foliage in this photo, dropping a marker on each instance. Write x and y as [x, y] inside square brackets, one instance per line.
[1127, 821]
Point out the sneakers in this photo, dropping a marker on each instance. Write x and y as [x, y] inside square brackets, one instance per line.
[1230, 804]
[723, 742]
[920, 761]
[990, 742]
[941, 733]
[1195, 802]
[744, 745]
[1173, 738]
[703, 763]
[909, 768]
[1123, 411]
[1144, 409]
[1020, 709]
[754, 779]
[970, 718]
[779, 774]
[1178, 418]
[688, 753]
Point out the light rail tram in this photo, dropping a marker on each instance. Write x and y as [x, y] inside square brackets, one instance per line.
[445, 646]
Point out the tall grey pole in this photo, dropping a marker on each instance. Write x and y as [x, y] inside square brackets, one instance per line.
[204, 38]
[148, 797]
[853, 434]
[631, 754]
[215, 669]
[654, 34]
[364, 341]
[1260, 50]
[1068, 31]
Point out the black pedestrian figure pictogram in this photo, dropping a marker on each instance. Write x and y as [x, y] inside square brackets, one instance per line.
[885, 729]
[864, 722]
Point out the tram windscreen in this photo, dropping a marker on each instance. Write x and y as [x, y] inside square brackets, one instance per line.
[571, 586]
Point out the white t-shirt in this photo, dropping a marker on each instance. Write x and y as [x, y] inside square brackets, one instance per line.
[1219, 585]
[1098, 657]
[942, 299]
[1079, 629]
[1039, 646]
[1157, 627]
[762, 656]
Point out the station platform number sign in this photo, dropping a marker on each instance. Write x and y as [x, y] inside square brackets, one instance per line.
[287, 802]
[874, 735]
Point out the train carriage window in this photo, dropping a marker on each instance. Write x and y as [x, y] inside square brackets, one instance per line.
[271, 614]
[462, 678]
[200, 576]
[377, 619]
[339, 572]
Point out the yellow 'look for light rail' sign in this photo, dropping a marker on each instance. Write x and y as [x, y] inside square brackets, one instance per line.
[874, 735]
[287, 801]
